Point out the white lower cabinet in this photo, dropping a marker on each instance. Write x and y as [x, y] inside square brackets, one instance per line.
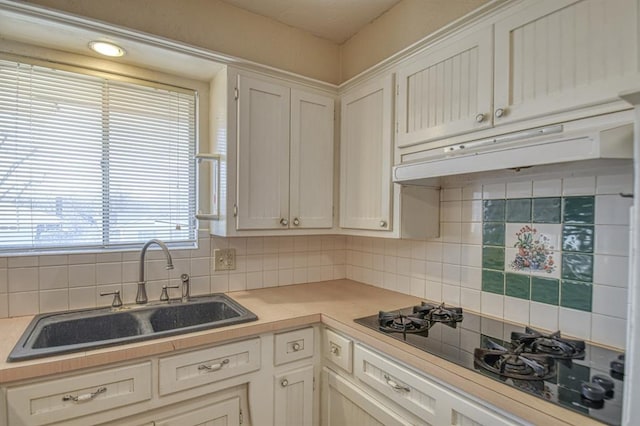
[343, 404]
[293, 395]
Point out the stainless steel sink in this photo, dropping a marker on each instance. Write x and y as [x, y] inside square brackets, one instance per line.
[57, 333]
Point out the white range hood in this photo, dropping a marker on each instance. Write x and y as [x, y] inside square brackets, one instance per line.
[557, 143]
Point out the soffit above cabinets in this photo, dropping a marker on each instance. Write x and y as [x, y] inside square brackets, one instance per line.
[335, 20]
[43, 31]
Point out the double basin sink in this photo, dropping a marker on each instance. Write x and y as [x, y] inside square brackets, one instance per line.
[57, 333]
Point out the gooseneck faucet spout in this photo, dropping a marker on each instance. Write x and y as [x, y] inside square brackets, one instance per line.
[141, 296]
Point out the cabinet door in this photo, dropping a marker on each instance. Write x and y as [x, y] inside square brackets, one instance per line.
[311, 203]
[346, 404]
[225, 413]
[447, 91]
[560, 55]
[263, 154]
[365, 160]
[293, 398]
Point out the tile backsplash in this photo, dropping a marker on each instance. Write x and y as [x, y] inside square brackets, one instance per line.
[551, 253]
[38, 284]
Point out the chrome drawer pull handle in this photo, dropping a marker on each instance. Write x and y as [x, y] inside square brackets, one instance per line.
[296, 347]
[213, 367]
[395, 385]
[85, 397]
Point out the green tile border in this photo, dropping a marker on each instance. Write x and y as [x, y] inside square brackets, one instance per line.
[578, 238]
[579, 209]
[493, 258]
[577, 267]
[545, 290]
[493, 281]
[518, 210]
[518, 285]
[493, 234]
[546, 210]
[576, 295]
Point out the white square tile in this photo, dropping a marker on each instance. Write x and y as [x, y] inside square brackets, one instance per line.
[419, 250]
[4, 276]
[450, 274]
[300, 275]
[255, 245]
[390, 281]
[583, 185]
[471, 277]
[77, 259]
[199, 286]
[83, 275]
[612, 239]
[403, 284]
[451, 194]
[285, 244]
[390, 247]
[270, 245]
[451, 232]
[615, 184]
[203, 250]
[390, 264]
[239, 244]
[54, 300]
[612, 210]
[326, 273]
[285, 277]
[516, 310]
[301, 260]
[53, 277]
[180, 266]
[434, 251]
[254, 280]
[4, 262]
[403, 266]
[451, 253]
[418, 269]
[301, 243]
[433, 291]
[117, 257]
[200, 267]
[451, 294]
[470, 299]
[53, 260]
[219, 283]
[4, 305]
[404, 248]
[254, 263]
[434, 271]
[377, 262]
[544, 316]
[111, 273]
[314, 274]
[547, 188]
[270, 262]
[608, 330]
[418, 287]
[610, 301]
[270, 279]
[23, 262]
[451, 211]
[23, 303]
[471, 233]
[519, 189]
[471, 211]
[574, 323]
[85, 297]
[472, 191]
[237, 282]
[494, 191]
[611, 270]
[471, 255]
[339, 272]
[23, 279]
[285, 261]
[492, 304]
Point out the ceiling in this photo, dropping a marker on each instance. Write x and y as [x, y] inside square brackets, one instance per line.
[335, 20]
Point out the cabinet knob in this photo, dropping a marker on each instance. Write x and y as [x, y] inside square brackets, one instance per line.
[480, 118]
[284, 222]
[284, 383]
[296, 347]
[335, 349]
[383, 224]
[500, 112]
[296, 221]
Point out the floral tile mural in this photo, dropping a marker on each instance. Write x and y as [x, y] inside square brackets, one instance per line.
[534, 251]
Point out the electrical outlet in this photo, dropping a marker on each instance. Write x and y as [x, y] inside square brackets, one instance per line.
[225, 259]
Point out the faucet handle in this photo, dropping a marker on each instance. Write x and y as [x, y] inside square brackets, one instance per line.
[117, 301]
[164, 295]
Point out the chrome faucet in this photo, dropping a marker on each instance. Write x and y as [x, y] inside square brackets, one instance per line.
[141, 296]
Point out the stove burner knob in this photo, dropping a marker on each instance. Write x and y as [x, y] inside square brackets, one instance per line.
[621, 357]
[604, 381]
[592, 391]
[617, 366]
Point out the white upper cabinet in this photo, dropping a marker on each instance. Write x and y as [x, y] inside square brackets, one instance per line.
[263, 154]
[447, 90]
[285, 157]
[560, 55]
[365, 160]
[311, 203]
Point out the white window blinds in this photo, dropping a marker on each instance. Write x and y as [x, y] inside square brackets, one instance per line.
[89, 162]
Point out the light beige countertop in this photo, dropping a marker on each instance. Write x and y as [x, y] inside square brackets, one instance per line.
[335, 304]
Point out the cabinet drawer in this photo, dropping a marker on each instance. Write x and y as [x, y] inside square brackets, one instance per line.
[293, 345]
[414, 393]
[210, 365]
[63, 399]
[338, 350]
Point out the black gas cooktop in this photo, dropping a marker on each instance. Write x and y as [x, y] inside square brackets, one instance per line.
[576, 375]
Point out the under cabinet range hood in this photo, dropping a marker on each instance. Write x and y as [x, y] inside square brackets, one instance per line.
[558, 143]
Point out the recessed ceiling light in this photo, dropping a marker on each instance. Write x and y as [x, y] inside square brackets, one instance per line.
[106, 48]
